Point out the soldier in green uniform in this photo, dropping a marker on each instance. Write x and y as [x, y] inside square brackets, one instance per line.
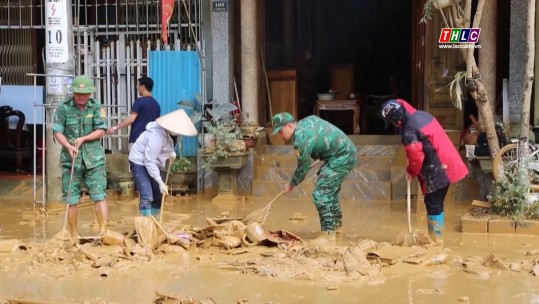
[79, 124]
[313, 137]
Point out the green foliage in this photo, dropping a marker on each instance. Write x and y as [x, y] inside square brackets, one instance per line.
[428, 10]
[509, 196]
[196, 114]
[221, 110]
[180, 164]
[532, 212]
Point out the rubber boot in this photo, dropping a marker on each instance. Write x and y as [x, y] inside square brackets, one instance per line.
[325, 237]
[72, 217]
[435, 225]
[145, 212]
[156, 212]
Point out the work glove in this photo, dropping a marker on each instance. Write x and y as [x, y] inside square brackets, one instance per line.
[173, 155]
[163, 188]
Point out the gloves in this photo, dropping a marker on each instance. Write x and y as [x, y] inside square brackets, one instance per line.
[163, 188]
[173, 155]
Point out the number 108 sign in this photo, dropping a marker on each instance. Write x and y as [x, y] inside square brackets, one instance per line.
[56, 31]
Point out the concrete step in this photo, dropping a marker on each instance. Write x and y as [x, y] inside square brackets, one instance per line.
[353, 190]
[359, 173]
[290, 161]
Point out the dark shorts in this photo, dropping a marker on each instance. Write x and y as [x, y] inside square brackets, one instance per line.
[95, 180]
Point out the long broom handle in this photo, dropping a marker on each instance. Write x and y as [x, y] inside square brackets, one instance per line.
[165, 194]
[409, 205]
[69, 193]
[276, 198]
[282, 192]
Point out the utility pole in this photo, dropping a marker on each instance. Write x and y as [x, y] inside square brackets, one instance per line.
[59, 68]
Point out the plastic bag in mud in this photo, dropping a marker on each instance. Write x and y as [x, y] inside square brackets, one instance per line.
[148, 234]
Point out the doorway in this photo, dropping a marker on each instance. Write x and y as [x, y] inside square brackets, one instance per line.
[374, 37]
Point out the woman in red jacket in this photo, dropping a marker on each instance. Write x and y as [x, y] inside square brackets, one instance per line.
[432, 157]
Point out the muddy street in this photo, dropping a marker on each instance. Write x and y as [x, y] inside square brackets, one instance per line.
[40, 271]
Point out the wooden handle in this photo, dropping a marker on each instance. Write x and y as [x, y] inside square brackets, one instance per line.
[276, 197]
[165, 194]
[159, 226]
[409, 205]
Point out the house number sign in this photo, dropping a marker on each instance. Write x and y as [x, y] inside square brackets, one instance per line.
[219, 6]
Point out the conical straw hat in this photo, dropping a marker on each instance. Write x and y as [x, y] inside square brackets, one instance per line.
[177, 122]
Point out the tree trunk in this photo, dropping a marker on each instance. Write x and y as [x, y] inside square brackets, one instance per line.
[528, 78]
[525, 99]
[475, 85]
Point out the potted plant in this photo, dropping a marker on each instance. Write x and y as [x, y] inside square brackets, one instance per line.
[228, 148]
[228, 144]
[250, 130]
[182, 173]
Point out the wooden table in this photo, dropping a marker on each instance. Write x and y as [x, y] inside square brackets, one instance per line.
[339, 105]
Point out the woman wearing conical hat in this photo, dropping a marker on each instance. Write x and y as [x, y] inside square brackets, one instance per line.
[149, 155]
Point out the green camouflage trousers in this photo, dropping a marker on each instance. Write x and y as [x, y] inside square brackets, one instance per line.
[326, 194]
[95, 180]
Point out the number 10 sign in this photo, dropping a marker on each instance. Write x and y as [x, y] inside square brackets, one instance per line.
[56, 32]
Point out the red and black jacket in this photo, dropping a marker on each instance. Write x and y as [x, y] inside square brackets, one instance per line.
[432, 157]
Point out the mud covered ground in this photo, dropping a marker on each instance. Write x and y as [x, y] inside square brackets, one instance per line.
[475, 268]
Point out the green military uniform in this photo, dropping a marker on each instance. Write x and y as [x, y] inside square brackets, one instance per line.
[90, 162]
[318, 139]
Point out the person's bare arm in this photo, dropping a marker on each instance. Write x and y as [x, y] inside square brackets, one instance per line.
[95, 135]
[124, 123]
[62, 140]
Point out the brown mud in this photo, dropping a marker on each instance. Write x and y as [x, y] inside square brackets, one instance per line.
[473, 268]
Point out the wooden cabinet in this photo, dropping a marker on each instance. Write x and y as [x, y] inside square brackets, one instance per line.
[283, 90]
[293, 91]
[341, 79]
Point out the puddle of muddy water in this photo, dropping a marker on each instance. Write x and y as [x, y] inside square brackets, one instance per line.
[188, 274]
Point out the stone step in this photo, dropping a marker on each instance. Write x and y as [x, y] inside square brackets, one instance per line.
[363, 150]
[350, 190]
[290, 161]
[359, 173]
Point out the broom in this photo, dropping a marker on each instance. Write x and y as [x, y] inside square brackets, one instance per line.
[411, 238]
[261, 215]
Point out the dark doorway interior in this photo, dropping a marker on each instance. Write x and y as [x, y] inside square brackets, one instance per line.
[374, 36]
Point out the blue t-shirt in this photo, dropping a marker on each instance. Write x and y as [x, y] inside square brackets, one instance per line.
[147, 110]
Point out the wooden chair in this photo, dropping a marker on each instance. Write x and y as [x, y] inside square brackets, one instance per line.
[14, 143]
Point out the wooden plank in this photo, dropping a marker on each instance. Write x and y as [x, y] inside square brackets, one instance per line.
[483, 204]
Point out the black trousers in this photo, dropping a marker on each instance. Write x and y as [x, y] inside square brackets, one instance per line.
[434, 201]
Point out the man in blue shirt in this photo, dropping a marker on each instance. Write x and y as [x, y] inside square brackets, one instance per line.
[145, 109]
